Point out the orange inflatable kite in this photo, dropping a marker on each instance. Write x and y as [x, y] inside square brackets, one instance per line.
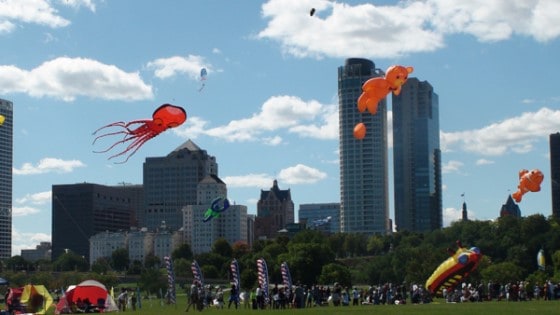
[528, 181]
[360, 131]
[375, 89]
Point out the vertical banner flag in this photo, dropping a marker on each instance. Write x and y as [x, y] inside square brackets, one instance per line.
[234, 267]
[286, 276]
[197, 273]
[170, 280]
[262, 271]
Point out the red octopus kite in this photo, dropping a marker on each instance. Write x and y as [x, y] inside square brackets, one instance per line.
[164, 117]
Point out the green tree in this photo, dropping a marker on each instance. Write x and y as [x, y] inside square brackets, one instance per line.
[152, 280]
[70, 261]
[334, 272]
[120, 260]
[502, 272]
[17, 262]
[183, 251]
[306, 260]
[240, 248]
[222, 248]
[152, 261]
[101, 265]
[182, 267]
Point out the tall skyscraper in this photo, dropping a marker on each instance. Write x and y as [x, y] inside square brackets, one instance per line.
[170, 183]
[417, 158]
[555, 172]
[364, 188]
[6, 157]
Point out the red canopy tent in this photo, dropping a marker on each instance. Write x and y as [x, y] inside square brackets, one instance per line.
[93, 291]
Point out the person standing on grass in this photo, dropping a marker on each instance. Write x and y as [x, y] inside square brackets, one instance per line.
[193, 297]
[234, 296]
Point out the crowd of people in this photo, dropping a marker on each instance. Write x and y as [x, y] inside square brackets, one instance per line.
[301, 296]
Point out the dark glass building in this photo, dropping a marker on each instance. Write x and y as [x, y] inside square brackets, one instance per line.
[364, 188]
[80, 211]
[555, 172]
[6, 161]
[417, 158]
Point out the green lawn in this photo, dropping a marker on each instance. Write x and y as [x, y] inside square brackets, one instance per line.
[154, 307]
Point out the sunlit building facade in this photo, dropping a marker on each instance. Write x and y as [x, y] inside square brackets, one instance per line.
[364, 188]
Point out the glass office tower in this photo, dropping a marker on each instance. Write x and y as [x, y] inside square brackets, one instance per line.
[364, 204]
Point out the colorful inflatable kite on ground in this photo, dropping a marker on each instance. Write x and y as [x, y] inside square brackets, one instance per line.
[164, 117]
[528, 181]
[375, 89]
[218, 206]
[454, 269]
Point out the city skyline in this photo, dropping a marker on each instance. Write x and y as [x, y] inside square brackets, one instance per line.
[268, 108]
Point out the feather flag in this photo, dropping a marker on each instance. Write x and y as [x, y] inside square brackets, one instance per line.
[540, 260]
[170, 280]
[197, 273]
[234, 267]
[286, 276]
[262, 271]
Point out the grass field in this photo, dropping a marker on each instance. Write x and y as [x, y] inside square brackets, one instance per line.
[154, 307]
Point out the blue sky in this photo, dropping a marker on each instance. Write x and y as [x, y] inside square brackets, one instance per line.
[269, 106]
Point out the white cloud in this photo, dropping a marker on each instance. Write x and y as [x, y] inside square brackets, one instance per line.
[515, 134]
[48, 165]
[6, 27]
[328, 129]
[24, 240]
[451, 167]
[301, 174]
[89, 4]
[66, 78]
[484, 162]
[249, 180]
[24, 211]
[403, 28]
[277, 113]
[29, 11]
[168, 67]
[38, 198]
[298, 174]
